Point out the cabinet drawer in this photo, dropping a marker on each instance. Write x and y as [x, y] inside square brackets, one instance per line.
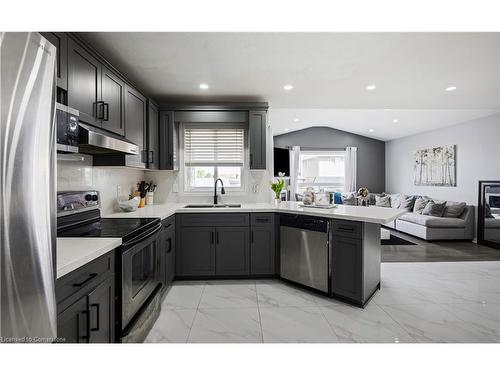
[168, 223]
[85, 277]
[205, 220]
[262, 219]
[347, 228]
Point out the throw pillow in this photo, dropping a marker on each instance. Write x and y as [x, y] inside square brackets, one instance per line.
[337, 198]
[454, 209]
[419, 205]
[384, 201]
[396, 200]
[350, 199]
[407, 202]
[434, 209]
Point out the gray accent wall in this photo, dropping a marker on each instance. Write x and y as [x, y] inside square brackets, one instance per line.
[371, 152]
[478, 158]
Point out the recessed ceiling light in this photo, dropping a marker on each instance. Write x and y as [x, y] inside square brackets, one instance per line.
[371, 130]
[287, 129]
[371, 87]
[395, 121]
[203, 86]
[296, 120]
[288, 87]
[451, 88]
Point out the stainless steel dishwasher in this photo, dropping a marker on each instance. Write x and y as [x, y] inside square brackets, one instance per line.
[304, 250]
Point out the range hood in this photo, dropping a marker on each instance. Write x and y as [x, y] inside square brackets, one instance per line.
[96, 141]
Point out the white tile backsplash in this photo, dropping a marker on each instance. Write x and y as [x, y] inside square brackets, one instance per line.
[79, 174]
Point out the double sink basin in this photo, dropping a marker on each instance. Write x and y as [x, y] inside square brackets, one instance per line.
[213, 206]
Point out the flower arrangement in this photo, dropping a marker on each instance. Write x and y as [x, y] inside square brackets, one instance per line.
[363, 192]
[277, 186]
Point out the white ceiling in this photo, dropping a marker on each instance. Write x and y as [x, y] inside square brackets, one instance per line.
[329, 72]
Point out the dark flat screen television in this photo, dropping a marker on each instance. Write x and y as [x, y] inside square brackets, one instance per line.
[281, 161]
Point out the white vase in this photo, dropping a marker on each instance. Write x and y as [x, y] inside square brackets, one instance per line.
[277, 202]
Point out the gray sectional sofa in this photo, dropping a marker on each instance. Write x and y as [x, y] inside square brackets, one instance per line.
[433, 227]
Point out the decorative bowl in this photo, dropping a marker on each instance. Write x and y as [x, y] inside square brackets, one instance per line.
[129, 205]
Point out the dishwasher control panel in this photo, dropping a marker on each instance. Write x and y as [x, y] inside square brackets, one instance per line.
[312, 223]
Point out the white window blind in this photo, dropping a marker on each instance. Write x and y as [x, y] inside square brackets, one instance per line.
[213, 146]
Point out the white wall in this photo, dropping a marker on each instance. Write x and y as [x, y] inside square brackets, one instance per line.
[478, 158]
[80, 175]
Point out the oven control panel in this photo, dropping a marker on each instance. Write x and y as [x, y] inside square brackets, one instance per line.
[77, 201]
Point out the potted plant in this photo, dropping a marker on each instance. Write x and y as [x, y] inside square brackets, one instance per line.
[277, 187]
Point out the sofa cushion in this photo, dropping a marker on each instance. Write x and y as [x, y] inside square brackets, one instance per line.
[407, 202]
[432, 221]
[420, 204]
[491, 222]
[454, 209]
[396, 200]
[383, 201]
[434, 209]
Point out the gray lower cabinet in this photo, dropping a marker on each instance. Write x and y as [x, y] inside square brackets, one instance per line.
[232, 251]
[86, 303]
[346, 267]
[263, 244]
[197, 251]
[167, 252]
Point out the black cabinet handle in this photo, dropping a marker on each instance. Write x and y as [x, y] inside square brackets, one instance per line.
[169, 240]
[97, 309]
[348, 229]
[251, 237]
[83, 316]
[212, 237]
[262, 219]
[171, 160]
[91, 276]
[105, 110]
[251, 160]
[217, 238]
[100, 110]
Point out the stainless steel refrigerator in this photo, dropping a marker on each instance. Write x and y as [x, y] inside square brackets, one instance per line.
[27, 188]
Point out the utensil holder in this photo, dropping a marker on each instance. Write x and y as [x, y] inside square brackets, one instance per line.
[150, 198]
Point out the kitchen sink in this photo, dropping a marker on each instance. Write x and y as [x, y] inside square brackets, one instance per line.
[236, 205]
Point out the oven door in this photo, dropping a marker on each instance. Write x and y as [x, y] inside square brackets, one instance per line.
[139, 272]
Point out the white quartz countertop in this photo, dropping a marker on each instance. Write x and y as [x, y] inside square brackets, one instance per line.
[72, 253]
[372, 214]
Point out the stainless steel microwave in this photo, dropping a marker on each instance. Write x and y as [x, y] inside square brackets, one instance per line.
[67, 120]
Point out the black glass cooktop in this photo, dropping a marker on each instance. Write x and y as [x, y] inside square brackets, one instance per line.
[125, 229]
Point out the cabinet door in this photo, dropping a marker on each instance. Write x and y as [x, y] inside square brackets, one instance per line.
[60, 41]
[168, 141]
[153, 137]
[170, 256]
[102, 312]
[262, 250]
[257, 139]
[113, 89]
[232, 251]
[347, 267]
[73, 323]
[135, 125]
[84, 84]
[197, 254]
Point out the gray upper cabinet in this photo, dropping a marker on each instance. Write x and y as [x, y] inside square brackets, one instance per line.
[135, 125]
[113, 89]
[84, 84]
[257, 138]
[232, 251]
[153, 136]
[169, 144]
[60, 41]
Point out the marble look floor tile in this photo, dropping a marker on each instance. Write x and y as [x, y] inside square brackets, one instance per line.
[295, 324]
[481, 317]
[282, 295]
[398, 296]
[182, 296]
[371, 324]
[229, 295]
[432, 323]
[226, 326]
[172, 326]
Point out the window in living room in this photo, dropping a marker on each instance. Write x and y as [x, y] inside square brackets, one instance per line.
[321, 170]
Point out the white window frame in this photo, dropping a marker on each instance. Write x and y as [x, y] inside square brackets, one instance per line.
[203, 191]
[321, 185]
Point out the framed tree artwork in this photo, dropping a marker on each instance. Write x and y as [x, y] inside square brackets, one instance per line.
[436, 166]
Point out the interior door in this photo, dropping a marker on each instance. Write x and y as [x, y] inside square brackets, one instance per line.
[113, 89]
[84, 84]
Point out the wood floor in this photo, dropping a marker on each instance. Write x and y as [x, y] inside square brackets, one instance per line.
[437, 251]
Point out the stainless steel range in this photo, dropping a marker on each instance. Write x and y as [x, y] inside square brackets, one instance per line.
[137, 260]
